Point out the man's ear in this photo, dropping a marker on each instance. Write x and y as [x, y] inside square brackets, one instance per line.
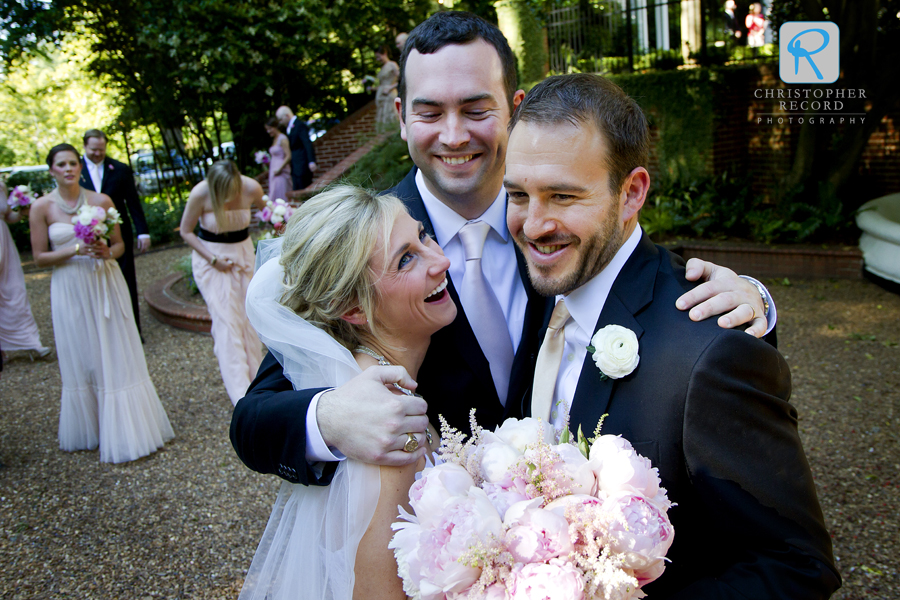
[355, 316]
[634, 192]
[398, 106]
[518, 97]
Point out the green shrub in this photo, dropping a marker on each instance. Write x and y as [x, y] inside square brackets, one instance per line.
[163, 217]
[382, 168]
[41, 182]
[724, 207]
[183, 265]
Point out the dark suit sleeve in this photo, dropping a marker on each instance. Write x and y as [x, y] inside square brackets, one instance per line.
[268, 428]
[307, 143]
[132, 200]
[752, 482]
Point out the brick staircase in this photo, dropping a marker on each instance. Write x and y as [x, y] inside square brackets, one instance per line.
[340, 148]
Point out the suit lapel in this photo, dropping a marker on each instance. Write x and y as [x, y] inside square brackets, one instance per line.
[463, 335]
[631, 292]
[105, 175]
[85, 180]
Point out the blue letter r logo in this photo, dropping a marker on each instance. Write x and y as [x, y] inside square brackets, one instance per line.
[817, 44]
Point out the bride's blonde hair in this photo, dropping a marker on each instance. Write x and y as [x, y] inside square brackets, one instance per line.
[325, 255]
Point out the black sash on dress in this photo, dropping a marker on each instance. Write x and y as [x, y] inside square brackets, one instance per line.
[229, 237]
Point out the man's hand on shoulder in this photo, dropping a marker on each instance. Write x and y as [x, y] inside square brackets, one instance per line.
[368, 422]
[737, 300]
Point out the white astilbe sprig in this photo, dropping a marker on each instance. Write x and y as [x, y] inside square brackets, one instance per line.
[455, 448]
[494, 561]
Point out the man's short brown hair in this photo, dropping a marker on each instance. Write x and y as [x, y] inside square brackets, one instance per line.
[93, 133]
[582, 99]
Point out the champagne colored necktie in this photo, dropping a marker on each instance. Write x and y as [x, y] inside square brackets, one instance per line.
[483, 310]
[547, 367]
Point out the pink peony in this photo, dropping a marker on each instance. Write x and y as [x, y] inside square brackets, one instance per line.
[641, 533]
[464, 522]
[429, 494]
[577, 467]
[520, 433]
[557, 580]
[265, 214]
[535, 534]
[620, 469]
[496, 460]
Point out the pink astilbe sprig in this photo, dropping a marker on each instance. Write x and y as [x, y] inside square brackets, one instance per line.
[540, 470]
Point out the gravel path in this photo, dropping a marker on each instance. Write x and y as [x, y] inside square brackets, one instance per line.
[184, 522]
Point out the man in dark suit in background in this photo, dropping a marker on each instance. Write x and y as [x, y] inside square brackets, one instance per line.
[102, 174]
[708, 406]
[303, 154]
[457, 91]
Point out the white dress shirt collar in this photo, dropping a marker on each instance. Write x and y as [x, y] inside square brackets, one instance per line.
[447, 222]
[96, 173]
[291, 124]
[586, 302]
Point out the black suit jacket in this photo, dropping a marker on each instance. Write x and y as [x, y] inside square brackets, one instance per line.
[302, 153]
[118, 184]
[268, 427]
[709, 407]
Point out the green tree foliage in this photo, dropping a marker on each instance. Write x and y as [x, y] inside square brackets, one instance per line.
[179, 63]
[827, 157]
[49, 99]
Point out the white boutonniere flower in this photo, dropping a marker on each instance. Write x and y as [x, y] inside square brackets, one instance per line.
[615, 351]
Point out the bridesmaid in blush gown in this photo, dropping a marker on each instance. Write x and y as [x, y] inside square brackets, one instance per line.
[222, 263]
[107, 396]
[280, 165]
[18, 331]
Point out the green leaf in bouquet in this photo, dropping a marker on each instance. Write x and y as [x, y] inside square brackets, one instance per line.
[582, 444]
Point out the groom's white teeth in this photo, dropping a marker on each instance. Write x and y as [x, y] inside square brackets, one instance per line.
[457, 160]
[438, 289]
[547, 249]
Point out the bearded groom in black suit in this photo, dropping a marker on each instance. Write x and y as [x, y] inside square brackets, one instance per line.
[102, 174]
[708, 406]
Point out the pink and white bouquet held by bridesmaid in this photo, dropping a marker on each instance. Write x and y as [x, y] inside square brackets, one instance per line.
[94, 223]
[21, 196]
[512, 515]
[262, 157]
[275, 213]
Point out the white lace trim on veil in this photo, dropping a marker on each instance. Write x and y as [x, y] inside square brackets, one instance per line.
[309, 547]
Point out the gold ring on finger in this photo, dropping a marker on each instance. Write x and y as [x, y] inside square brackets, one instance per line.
[412, 444]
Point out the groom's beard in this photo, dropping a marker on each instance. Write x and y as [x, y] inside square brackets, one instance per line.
[594, 254]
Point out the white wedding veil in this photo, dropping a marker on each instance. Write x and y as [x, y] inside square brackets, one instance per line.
[309, 546]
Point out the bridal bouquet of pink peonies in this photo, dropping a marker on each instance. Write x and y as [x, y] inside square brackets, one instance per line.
[262, 157]
[275, 213]
[94, 223]
[512, 515]
[21, 196]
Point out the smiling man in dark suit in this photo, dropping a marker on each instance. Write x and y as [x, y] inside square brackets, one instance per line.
[457, 91]
[102, 174]
[708, 406]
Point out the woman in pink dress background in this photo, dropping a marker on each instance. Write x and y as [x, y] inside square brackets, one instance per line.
[280, 165]
[222, 263]
[18, 331]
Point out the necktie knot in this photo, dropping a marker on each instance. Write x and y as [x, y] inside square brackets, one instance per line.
[560, 316]
[473, 235]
